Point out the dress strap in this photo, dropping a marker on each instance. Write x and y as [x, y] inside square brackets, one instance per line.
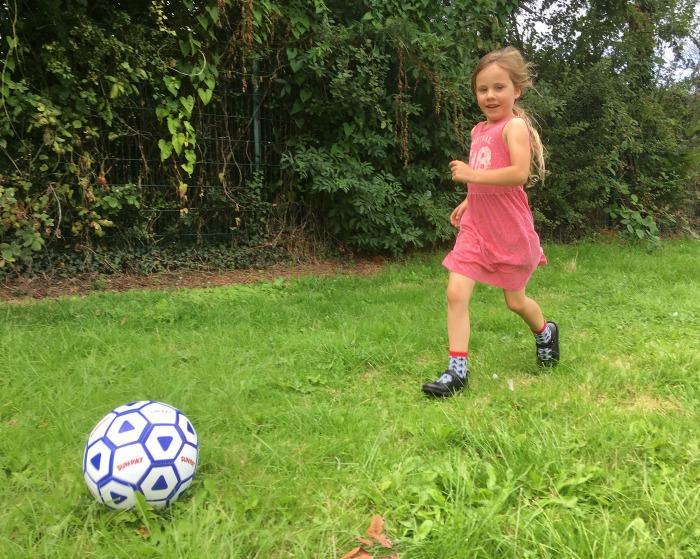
[501, 123]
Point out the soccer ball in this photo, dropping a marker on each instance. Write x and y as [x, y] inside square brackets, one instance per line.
[146, 447]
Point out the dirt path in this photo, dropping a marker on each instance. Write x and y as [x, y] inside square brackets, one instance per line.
[42, 287]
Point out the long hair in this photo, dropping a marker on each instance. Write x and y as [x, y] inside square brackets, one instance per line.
[521, 74]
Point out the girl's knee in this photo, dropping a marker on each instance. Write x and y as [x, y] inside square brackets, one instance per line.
[455, 295]
[516, 305]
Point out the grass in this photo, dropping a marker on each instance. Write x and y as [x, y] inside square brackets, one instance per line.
[306, 397]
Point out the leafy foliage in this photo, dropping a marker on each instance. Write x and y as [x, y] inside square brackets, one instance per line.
[364, 105]
[69, 88]
[378, 97]
[615, 126]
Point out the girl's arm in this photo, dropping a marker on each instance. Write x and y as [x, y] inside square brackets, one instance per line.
[517, 139]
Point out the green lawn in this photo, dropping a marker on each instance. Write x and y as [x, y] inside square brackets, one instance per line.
[306, 398]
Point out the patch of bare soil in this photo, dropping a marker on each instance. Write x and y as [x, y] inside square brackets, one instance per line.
[41, 287]
[646, 403]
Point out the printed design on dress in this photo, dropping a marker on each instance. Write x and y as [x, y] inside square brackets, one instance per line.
[481, 159]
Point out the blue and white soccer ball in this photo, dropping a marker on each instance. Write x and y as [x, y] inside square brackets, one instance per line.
[147, 447]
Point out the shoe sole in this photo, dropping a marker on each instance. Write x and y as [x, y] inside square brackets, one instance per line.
[437, 394]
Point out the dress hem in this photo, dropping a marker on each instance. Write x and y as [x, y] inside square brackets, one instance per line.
[478, 274]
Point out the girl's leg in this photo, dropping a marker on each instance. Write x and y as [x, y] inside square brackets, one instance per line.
[546, 332]
[526, 308]
[459, 293]
[454, 379]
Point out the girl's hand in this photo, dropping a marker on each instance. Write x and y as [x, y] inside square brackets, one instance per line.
[456, 215]
[461, 172]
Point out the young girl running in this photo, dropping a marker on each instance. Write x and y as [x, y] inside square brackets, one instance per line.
[497, 243]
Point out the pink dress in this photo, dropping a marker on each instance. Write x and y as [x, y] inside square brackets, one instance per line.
[497, 243]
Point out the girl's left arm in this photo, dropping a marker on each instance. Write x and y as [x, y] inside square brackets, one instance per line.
[517, 139]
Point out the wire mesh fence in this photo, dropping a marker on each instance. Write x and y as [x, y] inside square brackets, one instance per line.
[240, 142]
[239, 145]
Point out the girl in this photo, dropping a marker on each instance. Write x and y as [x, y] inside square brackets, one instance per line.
[497, 243]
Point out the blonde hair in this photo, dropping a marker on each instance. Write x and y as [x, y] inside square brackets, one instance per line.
[521, 74]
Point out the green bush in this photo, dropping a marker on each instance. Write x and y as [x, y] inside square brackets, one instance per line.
[363, 105]
[618, 129]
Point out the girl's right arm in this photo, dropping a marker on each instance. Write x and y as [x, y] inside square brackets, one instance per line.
[456, 215]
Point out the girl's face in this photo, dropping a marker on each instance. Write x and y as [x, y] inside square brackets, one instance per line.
[495, 93]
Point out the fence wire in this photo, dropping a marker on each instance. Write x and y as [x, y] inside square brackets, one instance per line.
[231, 156]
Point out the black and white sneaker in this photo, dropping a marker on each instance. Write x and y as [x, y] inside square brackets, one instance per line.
[447, 385]
[548, 353]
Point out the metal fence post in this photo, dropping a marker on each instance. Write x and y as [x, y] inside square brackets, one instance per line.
[256, 116]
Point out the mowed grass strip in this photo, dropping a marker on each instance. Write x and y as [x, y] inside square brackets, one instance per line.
[306, 397]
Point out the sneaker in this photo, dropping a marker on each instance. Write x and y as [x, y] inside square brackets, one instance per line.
[548, 354]
[447, 385]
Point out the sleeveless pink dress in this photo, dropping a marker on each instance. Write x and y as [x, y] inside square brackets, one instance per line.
[497, 243]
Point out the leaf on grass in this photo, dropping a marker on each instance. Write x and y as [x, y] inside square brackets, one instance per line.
[357, 553]
[376, 536]
[376, 532]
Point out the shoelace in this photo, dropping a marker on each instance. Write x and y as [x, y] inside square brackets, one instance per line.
[544, 353]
